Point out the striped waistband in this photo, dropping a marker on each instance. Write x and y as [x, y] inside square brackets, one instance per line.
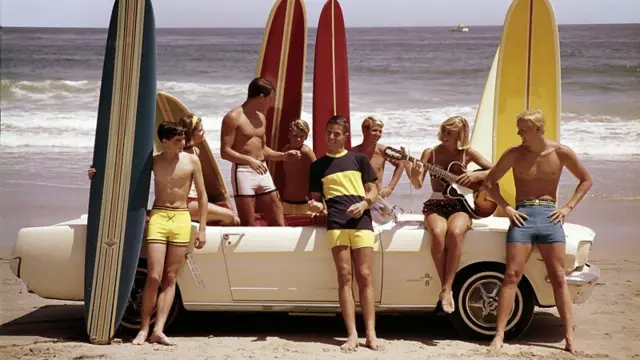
[297, 202]
[168, 208]
[535, 202]
[247, 165]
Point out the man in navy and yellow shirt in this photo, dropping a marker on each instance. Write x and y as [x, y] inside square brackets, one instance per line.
[346, 182]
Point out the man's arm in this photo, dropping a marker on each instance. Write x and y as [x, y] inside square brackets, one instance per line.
[371, 191]
[227, 137]
[397, 173]
[574, 165]
[270, 154]
[369, 180]
[496, 173]
[315, 189]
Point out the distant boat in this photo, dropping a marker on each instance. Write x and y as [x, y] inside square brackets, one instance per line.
[459, 28]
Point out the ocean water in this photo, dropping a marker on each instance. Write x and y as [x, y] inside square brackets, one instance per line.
[411, 78]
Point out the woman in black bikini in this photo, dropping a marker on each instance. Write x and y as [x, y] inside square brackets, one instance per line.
[445, 219]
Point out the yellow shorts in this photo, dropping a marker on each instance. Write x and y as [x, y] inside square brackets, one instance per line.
[169, 226]
[289, 208]
[355, 238]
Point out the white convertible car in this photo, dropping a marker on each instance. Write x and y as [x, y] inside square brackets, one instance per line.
[290, 269]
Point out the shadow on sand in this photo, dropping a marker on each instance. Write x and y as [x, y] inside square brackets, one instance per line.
[66, 323]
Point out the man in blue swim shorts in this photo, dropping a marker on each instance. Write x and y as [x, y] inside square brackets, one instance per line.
[537, 165]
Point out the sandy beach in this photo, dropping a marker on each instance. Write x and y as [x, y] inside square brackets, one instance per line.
[606, 325]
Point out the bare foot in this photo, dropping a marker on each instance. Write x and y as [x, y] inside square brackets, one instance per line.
[496, 344]
[569, 346]
[372, 342]
[140, 338]
[160, 338]
[448, 305]
[350, 345]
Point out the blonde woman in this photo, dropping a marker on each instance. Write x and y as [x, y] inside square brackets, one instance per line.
[445, 219]
[194, 134]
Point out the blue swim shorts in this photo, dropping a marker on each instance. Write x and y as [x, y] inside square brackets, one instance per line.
[538, 228]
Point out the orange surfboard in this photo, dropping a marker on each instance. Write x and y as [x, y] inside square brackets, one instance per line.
[330, 74]
[282, 61]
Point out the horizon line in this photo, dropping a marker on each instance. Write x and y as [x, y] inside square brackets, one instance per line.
[309, 27]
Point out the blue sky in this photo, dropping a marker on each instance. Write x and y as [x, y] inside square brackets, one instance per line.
[253, 13]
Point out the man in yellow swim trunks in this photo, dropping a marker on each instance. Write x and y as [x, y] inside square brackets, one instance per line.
[169, 229]
[346, 182]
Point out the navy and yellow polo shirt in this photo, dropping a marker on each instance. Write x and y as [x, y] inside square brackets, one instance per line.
[340, 178]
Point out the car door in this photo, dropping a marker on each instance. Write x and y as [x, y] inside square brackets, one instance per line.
[410, 275]
[279, 264]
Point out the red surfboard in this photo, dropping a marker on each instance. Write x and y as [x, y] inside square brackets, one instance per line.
[330, 74]
[282, 61]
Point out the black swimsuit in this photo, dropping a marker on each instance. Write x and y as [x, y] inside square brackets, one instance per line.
[439, 203]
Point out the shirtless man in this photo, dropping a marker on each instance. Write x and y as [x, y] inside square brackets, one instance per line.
[537, 165]
[243, 142]
[169, 229]
[295, 191]
[371, 133]
[194, 134]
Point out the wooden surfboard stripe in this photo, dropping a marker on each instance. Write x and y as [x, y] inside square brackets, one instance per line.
[119, 158]
[333, 56]
[282, 76]
[527, 99]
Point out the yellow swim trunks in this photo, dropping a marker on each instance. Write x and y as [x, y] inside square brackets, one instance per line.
[169, 226]
[355, 238]
[295, 208]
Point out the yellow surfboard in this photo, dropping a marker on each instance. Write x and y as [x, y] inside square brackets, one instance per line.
[482, 134]
[528, 77]
[171, 109]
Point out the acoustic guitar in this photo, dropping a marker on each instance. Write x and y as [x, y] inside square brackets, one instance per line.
[474, 198]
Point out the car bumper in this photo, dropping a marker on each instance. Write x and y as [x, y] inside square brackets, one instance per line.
[14, 265]
[581, 283]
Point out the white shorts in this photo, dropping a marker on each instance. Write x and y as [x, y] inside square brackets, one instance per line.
[248, 183]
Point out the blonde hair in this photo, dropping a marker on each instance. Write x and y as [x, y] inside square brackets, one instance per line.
[460, 125]
[369, 121]
[189, 123]
[301, 125]
[535, 116]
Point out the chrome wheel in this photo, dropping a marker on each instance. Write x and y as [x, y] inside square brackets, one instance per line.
[476, 294]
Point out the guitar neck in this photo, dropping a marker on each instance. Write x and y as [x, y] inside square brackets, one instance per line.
[436, 170]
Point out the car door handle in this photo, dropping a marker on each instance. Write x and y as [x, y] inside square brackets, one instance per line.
[227, 237]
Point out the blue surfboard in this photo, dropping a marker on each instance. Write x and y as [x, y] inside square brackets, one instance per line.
[122, 157]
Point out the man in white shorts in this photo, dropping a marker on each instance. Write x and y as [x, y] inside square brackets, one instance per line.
[243, 139]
